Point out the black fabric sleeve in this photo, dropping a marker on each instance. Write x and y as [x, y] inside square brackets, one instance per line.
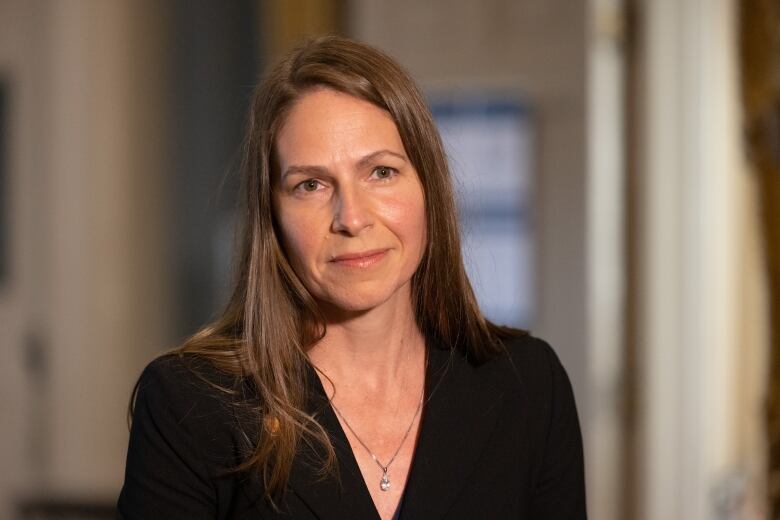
[166, 476]
[560, 487]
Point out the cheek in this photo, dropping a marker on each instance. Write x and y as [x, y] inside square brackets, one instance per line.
[299, 241]
[408, 215]
[421, 231]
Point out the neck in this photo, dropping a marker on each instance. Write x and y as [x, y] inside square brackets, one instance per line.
[372, 350]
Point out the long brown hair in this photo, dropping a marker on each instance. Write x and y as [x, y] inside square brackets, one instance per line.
[271, 319]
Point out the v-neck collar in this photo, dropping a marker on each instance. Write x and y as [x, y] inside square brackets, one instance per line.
[345, 496]
[458, 416]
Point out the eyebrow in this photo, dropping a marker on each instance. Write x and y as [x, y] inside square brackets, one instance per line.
[362, 163]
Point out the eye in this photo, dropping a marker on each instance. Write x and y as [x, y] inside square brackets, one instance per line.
[308, 185]
[384, 172]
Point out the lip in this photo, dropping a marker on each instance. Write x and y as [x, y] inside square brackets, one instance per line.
[361, 259]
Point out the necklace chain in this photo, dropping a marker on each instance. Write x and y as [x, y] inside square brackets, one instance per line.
[384, 484]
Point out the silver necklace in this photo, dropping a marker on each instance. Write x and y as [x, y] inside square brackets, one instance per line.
[384, 484]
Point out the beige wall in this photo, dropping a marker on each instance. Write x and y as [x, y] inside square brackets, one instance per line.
[700, 298]
[22, 295]
[87, 215]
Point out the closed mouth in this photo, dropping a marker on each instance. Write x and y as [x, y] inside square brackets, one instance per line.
[361, 259]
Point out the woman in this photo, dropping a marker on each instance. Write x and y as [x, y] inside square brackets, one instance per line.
[352, 374]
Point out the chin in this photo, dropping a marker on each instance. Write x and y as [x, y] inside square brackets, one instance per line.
[359, 302]
[352, 305]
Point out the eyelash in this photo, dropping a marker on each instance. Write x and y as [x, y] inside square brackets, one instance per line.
[391, 171]
[300, 186]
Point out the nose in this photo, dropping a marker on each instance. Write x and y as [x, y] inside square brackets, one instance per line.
[352, 212]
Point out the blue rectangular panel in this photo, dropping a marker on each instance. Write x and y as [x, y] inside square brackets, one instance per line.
[488, 143]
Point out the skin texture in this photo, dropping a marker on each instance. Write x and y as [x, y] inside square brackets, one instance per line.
[347, 188]
[351, 211]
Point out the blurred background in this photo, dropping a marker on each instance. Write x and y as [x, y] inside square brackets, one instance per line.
[640, 142]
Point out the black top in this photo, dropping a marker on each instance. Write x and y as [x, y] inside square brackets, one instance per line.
[499, 440]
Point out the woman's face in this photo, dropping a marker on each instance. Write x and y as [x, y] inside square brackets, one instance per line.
[349, 202]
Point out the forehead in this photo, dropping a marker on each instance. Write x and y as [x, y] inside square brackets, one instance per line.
[328, 125]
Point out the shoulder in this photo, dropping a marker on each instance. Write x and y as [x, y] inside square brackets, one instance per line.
[185, 440]
[533, 379]
[179, 382]
[524, 347]
[538, 394]
[184, 372]
[543, 387]
[187, 397]
[529, 361]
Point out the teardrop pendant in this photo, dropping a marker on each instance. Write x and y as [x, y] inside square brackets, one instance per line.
[384, 484]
